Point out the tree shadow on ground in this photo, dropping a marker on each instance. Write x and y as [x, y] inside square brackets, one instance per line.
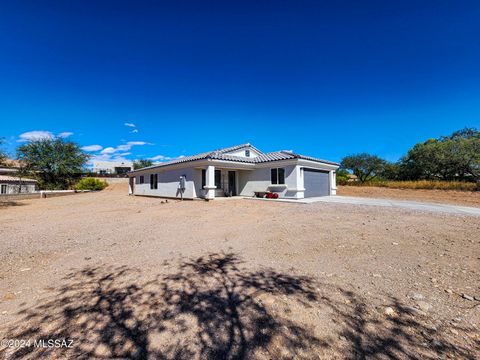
[213, 308]
[10, 203]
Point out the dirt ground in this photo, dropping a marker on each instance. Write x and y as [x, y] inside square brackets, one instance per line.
[465, 198]
[135, 277]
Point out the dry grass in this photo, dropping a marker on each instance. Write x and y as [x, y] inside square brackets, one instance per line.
[454, 197]
[421, 184]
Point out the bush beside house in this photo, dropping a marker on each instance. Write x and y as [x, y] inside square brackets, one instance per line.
[91, 184]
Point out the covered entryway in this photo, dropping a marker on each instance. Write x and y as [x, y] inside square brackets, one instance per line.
[316, 182]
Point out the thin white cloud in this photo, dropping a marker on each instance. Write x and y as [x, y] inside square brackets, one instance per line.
[138, 143]
[42, 134]
[120, 148]
[65, 134]
[35, 135]
[104, 157]
[134, 131]
[92, 148]
[123, 147]
[129, 124]
[108, 150]
[111, 153]
[160, 158]
[108, 157]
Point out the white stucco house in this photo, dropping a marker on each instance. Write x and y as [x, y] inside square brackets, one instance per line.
[239, 170]
[16, 185]
[11, 183]
[112, 167]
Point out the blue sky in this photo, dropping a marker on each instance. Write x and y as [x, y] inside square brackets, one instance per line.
[322, 78]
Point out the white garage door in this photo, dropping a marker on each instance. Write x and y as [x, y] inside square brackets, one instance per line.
[316, 182]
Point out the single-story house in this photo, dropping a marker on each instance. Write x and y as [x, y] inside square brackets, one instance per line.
[15, 185]
[239, 170]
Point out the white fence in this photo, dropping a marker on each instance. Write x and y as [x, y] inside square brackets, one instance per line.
[40, 194]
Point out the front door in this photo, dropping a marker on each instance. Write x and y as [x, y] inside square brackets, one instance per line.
[232, 184]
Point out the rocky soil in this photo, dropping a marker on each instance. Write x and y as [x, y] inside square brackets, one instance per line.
[137, 277]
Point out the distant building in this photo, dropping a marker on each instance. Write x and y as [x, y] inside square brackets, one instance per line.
[9, 167]
[112, 167]
[16, 185]
[11, 183]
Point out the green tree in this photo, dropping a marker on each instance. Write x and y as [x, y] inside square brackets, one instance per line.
[464, 145]
[454, 157]
[364, 166]
[142, 163]
[391, 171]
[56, 163]
[3, 154]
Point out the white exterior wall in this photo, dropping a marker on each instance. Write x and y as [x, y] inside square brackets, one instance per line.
[14, 188]
[168, 181]
[333, 182]
[248, 181]
[241, 153]
[259, 180]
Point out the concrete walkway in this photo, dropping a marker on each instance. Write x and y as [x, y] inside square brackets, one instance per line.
[405, 204]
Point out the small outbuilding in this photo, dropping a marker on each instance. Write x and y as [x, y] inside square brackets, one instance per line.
[238, 170]
[16, 185]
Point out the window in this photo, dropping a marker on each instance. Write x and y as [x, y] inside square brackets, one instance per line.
[247, 153]
[142, 179]
[277, 176]
[153, 181]
[218, 179]
[4, 189]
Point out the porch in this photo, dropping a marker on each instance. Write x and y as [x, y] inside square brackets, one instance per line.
[218, 182]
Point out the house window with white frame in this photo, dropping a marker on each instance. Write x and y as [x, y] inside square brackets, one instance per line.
[277, 176]
[218, 178]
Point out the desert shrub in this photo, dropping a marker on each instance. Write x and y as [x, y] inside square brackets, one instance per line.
[421, 184]
[91, 184]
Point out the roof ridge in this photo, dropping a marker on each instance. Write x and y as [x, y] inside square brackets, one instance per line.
[220, 154]
[231, 148]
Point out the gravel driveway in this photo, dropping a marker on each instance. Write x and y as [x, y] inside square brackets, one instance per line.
[137, 277]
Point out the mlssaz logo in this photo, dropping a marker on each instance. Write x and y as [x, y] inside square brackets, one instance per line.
[53, 343]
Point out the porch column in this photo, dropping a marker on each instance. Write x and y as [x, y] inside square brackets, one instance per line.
[299, 183]
[210, 183]
[333, 182]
